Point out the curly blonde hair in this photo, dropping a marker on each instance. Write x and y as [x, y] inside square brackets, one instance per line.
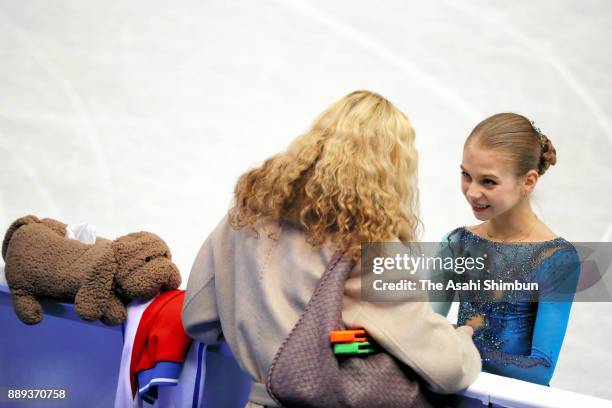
[350, 179]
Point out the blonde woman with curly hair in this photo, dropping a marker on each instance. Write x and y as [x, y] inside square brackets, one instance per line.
[351, 178]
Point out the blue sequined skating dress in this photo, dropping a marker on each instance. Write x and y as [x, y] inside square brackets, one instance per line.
[523, 331]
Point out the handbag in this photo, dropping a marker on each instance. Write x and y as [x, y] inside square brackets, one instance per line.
[306, 373]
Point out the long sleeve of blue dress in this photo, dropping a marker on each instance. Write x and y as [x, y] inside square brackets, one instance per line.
[557, 276]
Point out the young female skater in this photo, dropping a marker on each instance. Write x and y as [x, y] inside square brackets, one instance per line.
[351, 178]
[503, 159]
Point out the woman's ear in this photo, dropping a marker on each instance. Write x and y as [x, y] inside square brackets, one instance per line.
[530, 181]
[95, 291]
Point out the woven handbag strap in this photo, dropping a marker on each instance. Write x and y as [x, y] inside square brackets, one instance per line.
[309, 338]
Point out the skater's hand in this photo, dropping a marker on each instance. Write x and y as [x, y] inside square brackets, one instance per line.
[466, 329]
[475, 321]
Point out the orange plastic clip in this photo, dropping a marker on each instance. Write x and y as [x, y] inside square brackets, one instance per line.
[347, 336]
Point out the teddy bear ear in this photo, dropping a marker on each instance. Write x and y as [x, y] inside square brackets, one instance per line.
[28, 219]
[132, 249]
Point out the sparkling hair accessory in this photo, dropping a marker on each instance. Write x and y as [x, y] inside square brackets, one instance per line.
[539, 132]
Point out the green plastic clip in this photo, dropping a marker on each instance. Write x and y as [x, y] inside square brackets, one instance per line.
[362, 347]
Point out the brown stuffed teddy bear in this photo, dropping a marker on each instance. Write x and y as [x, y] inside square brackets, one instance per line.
[99, 278]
